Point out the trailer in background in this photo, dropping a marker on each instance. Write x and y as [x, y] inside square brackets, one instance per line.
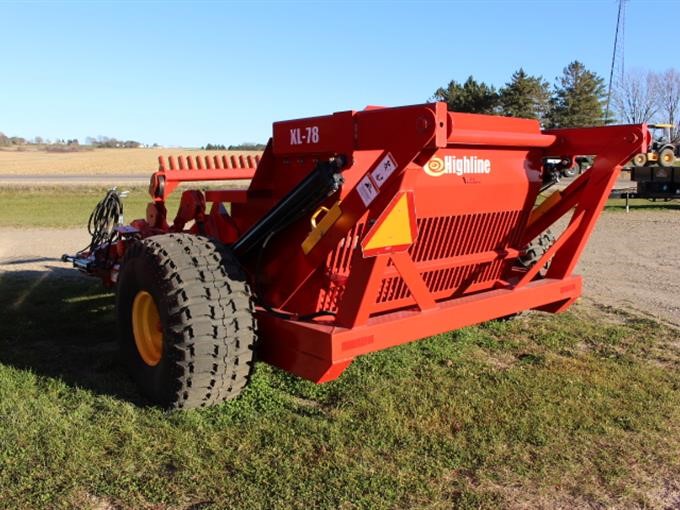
[656, 182]
[654, 171]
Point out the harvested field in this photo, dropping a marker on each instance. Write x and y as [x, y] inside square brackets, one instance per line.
[91, 162]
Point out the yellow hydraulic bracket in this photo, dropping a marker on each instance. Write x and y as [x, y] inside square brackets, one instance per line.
[543, 207]
[319, 228]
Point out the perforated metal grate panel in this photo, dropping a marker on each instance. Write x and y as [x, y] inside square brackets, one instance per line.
[446, 239]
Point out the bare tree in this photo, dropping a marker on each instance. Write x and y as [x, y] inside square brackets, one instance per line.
[668, 93]
[636, 97]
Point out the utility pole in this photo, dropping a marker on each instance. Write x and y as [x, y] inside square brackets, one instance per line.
[617, 54]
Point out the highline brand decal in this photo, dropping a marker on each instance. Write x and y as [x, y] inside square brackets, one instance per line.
[457, 165]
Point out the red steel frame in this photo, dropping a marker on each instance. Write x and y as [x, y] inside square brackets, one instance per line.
[460, 271]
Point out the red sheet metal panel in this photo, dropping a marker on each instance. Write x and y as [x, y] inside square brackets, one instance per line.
[472, 181]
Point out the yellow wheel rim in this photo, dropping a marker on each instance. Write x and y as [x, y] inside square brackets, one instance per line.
[146, 326]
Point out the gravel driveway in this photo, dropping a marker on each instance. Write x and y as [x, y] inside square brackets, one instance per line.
[632, 261]
[39, 249]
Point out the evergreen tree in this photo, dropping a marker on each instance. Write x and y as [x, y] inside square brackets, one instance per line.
[470, 97]
[525, 96]
[578, 98]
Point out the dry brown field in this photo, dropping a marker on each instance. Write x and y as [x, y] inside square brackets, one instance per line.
[91, 162]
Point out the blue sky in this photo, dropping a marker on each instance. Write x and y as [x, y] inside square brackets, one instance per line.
[197, 72]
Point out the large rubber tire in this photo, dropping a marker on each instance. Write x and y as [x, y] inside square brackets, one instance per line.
[666, 157]
[535, 250]
[530, 257]
[206, 316]
[640, 160]
[570, 172]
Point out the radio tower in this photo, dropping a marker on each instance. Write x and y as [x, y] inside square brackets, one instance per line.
[617, 68]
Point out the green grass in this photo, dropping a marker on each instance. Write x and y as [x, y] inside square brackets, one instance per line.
[581, 408]
[619, 204]
[54, 207]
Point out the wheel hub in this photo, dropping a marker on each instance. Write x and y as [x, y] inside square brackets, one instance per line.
[146, 327]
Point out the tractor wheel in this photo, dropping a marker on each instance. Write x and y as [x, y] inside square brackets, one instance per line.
[530, 256]
[536, 249]
[570, 172]
[186, 321]
[640, 160]
[666, 157]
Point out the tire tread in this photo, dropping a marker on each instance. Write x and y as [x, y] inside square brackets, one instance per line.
[211, 331]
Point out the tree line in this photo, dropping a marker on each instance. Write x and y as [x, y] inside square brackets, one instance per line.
[647, 96]
[111, 143]
[98, 142]
[6, 141]
[576, 99]
[239, 147]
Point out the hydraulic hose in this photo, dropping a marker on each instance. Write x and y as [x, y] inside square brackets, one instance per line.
[321, 182]
[105, 217]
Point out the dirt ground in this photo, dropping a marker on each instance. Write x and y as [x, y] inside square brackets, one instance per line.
[632, 261]
[40, 249]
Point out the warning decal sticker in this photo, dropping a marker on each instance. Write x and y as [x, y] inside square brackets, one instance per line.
[367, 190]
[384, 169]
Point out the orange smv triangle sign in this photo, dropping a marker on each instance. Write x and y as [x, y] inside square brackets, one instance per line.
[394, 230]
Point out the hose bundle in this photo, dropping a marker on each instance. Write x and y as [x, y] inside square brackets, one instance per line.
[105, 217]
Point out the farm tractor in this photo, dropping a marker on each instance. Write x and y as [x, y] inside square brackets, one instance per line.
[661, 152]
[655, 172]
[359, 231]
